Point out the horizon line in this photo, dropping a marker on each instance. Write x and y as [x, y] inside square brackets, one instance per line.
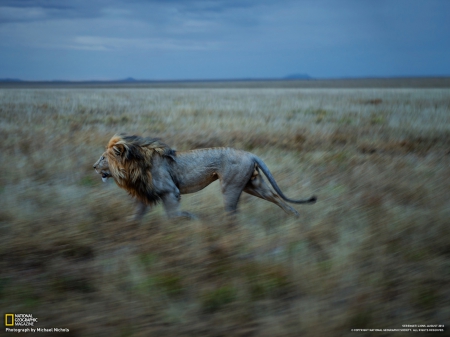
[302, 77]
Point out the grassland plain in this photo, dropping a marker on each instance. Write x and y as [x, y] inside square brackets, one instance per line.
[373, 252]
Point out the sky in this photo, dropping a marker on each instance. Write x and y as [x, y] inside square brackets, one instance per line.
[222, 39]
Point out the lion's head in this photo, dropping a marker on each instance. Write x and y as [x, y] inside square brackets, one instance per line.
[102, 167]
[128, 159]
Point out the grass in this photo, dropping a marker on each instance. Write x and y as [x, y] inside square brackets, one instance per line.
[372, 252]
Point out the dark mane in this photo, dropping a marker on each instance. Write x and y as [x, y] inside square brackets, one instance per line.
[136, 142]
[130, 160]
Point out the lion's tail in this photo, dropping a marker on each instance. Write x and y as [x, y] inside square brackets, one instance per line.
[275, 186]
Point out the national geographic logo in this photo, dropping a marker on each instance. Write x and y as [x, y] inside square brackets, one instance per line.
[15, 322]
[9, 319]
[20, 320]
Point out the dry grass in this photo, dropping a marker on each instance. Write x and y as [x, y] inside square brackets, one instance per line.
[373, 252]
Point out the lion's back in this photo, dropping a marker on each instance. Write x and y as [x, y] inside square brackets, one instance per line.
[196, 169]
[215, 157]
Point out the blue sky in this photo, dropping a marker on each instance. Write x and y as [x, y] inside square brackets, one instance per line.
[205, 39]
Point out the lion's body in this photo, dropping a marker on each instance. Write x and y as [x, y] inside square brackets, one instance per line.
[150, 171]
[198, 168]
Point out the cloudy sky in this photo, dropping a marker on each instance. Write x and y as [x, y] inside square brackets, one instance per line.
[222, 39]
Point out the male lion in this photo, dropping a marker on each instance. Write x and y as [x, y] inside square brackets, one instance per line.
[151, 172]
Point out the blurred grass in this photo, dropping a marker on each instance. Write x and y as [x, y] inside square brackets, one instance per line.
[372, 252]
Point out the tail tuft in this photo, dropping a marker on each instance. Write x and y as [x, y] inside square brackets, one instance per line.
[313, 199]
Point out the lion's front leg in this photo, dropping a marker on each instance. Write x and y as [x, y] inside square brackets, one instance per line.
[171, 203]
[136, 217]
[141, 208]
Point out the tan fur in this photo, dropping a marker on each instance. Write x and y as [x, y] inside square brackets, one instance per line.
[151, 171]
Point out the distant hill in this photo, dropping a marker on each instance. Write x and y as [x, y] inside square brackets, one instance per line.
[292, 81]
[298, 77]
[10, 80]
[128, 79]
[133, 80]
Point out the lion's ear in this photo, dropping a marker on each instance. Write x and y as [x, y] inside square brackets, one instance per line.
[119, 150]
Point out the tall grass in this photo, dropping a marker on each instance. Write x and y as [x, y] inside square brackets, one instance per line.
[373, 252]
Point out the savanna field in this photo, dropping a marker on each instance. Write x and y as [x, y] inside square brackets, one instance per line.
[373, 252]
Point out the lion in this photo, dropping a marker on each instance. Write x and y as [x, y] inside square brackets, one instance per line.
[151, 172]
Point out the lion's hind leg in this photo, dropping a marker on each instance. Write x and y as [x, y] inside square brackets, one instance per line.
[231, 191]
[232, 184]
[257, 187]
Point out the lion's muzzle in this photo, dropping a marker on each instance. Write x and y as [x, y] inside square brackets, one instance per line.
[101, 168]
[105, 176]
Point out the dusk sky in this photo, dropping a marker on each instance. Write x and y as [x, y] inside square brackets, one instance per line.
[207, 39]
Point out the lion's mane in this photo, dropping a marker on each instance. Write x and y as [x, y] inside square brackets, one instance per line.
[130, 161]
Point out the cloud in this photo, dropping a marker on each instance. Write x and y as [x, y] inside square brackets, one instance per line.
[24, 10]
[13, 14]
[262, 37]
[154, 25]
[54, 9]
[100, 43]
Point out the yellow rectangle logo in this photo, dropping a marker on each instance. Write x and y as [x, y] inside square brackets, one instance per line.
[9, 319]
